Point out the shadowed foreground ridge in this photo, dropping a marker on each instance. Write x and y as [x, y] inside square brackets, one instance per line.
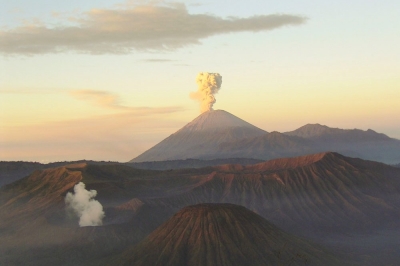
[223, 234]
[348, 205]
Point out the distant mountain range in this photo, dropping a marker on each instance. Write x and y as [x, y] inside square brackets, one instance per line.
[337, 202]
[219, 134]
[13, 171]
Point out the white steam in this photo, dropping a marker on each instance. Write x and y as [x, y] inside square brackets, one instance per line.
[83, 204]
[209, 84]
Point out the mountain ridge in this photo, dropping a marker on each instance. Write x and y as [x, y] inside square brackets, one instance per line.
[219, 135]
[310, 131]
[325, 196]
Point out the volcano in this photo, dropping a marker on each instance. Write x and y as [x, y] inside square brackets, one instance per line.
[199, 138]
[223, 234]
[221, 135]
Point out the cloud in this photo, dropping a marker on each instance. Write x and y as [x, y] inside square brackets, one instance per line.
[120, 135]
[130, 27]
[109, 100]
[100, 98]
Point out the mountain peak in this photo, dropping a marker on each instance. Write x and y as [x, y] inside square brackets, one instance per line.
[217, 134]
[328, 134]
[222, 234]
[215, 120]
[312, 130]
[199, 138]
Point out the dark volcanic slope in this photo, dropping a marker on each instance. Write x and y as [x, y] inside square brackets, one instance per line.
[13, 171]
[321, 195]
[223, 235]
[36, 230]
[32, 197]
[190, 163]
[323, 192]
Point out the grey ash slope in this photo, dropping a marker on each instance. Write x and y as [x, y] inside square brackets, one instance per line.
[199, 138]
[221, 135]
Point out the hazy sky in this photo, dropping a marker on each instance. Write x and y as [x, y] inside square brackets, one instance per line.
[106, 80]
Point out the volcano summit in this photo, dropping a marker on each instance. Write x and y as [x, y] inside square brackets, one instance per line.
[200, 138]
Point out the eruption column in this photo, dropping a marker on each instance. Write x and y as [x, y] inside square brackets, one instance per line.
[208, 85]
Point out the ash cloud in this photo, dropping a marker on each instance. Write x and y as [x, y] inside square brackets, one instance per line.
[83, 205]
[208, 85]
[122, 30]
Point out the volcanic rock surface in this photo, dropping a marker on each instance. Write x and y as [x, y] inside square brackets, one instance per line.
[327, 197]
[223, 235]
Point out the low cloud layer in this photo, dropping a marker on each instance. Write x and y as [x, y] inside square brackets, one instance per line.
[110, 100]
[83, 204]
[146, 27]
[100, 98]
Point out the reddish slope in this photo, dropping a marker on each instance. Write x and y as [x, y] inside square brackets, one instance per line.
[37, 194]
[35, 229]
[325, 191]
[222, 235]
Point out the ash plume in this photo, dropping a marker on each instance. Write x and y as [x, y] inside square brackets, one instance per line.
[83, 204]
[208, 85]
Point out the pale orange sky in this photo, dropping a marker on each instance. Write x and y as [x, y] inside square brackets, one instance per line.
[111, 98]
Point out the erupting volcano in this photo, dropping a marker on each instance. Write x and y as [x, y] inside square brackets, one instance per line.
[200, 138]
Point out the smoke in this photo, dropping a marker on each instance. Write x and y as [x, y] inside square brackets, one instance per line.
[83, 204]
[209, 84]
